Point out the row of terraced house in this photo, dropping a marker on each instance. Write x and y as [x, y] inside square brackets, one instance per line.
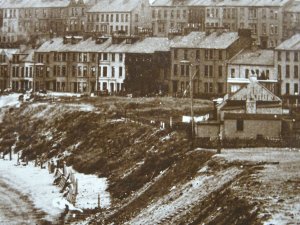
[218, 62]
[270, 21]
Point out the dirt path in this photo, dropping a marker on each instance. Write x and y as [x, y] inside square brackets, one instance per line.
[16, 208]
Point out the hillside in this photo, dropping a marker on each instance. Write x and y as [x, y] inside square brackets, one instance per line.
[154, 175]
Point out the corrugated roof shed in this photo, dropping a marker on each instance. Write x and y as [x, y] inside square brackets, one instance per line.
[115, 6]
[214, 40]
[291, 44]
[33, 4]
[258, 57]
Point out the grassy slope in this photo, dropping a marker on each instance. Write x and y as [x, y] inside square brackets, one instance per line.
[131, 155]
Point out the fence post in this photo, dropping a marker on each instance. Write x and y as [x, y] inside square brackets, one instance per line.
[10, 156]
[98, 200]
[64, 169]
[76, 187]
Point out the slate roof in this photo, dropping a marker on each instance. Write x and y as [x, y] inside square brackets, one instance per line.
[151, 45]
[33, 3]
[295, 7]
[212, 41]
[258, 57]
[115, 6]
[290, 44]
[9, 52]
[147, 46]
[30, 56]
[169, 3]
[249, 3]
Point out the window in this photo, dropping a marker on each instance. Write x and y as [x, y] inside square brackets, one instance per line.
[211, 54]
[211, 88]
[220, 71]
[187, 67]
[113, 57]
[220, 55]
[279, 72]
[120, 71]
[172, 14]
[112, 71]
[104, 56]
[296, 89]
[206, 54]
[175, 70]
[296, 71]
[85, 71]
[206, 70]
[104, 71]
[153, 14]
[287, 56]
[22, 72]
[211, 71]
[79, 71]
[279, 56]
[287, 71]
[58, 70]
[247, 73]
[182, 70]
[74, 71]
[64, 71]
[197, 71]
[240, 125]
[175, 54]
[232, 73]
[296, 56]
[185, 54]
[120, 57]
[287, 88]
[197, 54]
[93, 71]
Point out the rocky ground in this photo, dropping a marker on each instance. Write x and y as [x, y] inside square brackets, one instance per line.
[155, 176]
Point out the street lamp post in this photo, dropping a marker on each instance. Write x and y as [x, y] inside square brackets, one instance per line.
[188, 63]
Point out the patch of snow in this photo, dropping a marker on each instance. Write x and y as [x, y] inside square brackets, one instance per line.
[89, 187]
[9, 100]
[6, 101]
[33, 182]
[63, 94]
[82, 107]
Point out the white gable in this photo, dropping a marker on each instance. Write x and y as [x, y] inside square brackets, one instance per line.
[255, 91]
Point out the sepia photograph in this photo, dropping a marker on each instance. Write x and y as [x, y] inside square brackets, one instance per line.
[150, 112]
